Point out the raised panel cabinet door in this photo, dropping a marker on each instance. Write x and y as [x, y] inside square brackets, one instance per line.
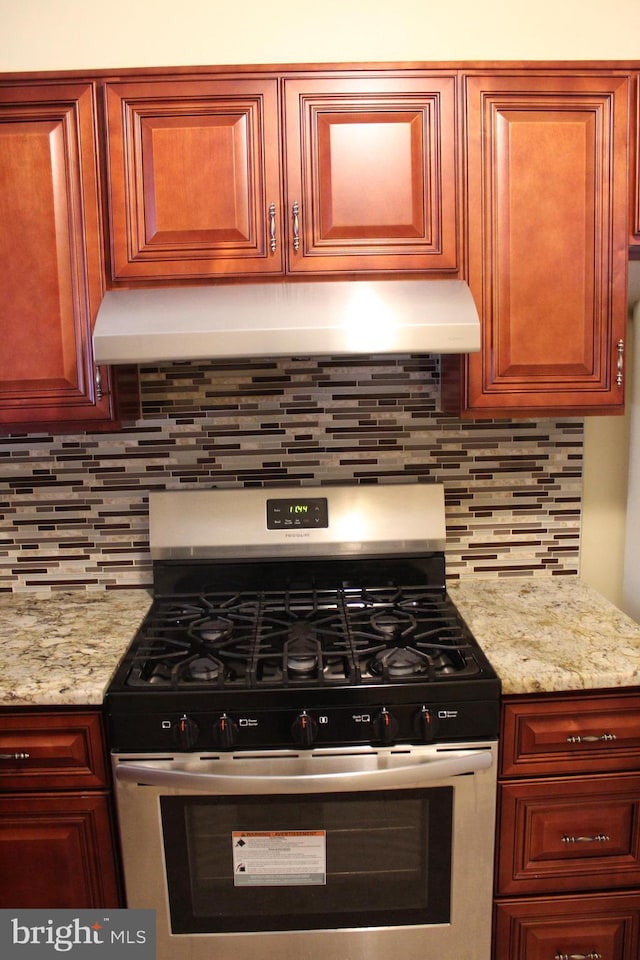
[51, 266]
[194, 178]
[56, 850]
[604, 927]
[571, 834]
[548, 233]
[51, 751]
[634, 190]
[371, 174]
[570, 734]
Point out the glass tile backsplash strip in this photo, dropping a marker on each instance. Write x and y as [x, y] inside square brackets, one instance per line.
[73, 509]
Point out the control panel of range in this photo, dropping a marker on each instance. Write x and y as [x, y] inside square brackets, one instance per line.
[379, 725]
[306, 512]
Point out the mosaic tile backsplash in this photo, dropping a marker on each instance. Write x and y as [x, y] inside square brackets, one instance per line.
[73, 509]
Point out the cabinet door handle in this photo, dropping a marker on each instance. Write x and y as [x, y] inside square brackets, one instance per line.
[14, 756]
[620, 363]
[599, 838]
[578, 956]
[592, 739]
[272, 227]
[295, 213]
[98, 385]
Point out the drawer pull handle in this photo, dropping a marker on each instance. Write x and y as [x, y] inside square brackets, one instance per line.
[14, 756]
[578, 956]
[295, 215]
[603, 737]
[272, 228]
[599, 838]
[620, 363]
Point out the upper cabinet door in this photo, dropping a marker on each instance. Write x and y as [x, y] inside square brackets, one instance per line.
[635, 170]
[548, 234]
[51, 266]
[371, 174]
[194, 178]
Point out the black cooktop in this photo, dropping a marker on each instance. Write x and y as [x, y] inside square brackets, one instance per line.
[258, 644]
[301, 638]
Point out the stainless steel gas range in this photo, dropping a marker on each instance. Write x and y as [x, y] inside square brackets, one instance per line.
[304, 732]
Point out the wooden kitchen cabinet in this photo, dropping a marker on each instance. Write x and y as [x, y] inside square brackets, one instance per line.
[584, 928]
[513, 177]
[634, 167]
[57, 841]
[51, 263]
[568, 836]
[546, 173]
[194, 178]
[205, 180]
[550, 736]
[371, 165]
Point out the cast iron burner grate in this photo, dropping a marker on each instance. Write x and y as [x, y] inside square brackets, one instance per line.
[302, 638]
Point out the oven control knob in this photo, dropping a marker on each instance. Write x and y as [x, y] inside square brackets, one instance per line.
[385, 726]
[425, 724]
[186, 733]
[304, 729]
[225, 731]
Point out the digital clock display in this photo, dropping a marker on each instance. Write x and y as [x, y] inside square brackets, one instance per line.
[297, 513]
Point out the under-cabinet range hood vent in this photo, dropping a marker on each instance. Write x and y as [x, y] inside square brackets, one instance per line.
[286, 320]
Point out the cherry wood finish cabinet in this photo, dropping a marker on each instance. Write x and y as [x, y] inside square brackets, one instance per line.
[205, 180]
[568, 842]
[546, 171]
[634, 197]
[514, 177]
[51, 262]
[371, 174]
[194, 178]
[587, 927]
[57, 843]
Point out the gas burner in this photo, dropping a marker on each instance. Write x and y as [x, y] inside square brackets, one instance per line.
[395, 624]
[301, 655]
[204, 669]
[400, 663]
[301, 666]
[213, 629]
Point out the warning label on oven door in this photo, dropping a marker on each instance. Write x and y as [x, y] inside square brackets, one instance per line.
[279, 858]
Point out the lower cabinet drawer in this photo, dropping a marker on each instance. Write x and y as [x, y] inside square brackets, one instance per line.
[51, 750]
[593, 927]
[548, 736]
[561, 835]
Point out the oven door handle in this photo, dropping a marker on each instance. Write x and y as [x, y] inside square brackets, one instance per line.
[452, 764]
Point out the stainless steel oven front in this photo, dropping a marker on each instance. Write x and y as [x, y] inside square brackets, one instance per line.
[345, 853]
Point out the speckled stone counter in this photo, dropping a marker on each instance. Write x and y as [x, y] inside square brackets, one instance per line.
[540, 635]
[61, 649]
[550, 635]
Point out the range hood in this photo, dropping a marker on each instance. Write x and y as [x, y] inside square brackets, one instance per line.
[286, 319]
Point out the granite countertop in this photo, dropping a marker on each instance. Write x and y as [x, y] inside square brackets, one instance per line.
[540, 635]
[60, 649]
[550, 635]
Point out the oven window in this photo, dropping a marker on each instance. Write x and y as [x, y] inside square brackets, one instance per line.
[356, 860]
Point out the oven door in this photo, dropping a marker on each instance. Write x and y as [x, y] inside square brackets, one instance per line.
[327, 853]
